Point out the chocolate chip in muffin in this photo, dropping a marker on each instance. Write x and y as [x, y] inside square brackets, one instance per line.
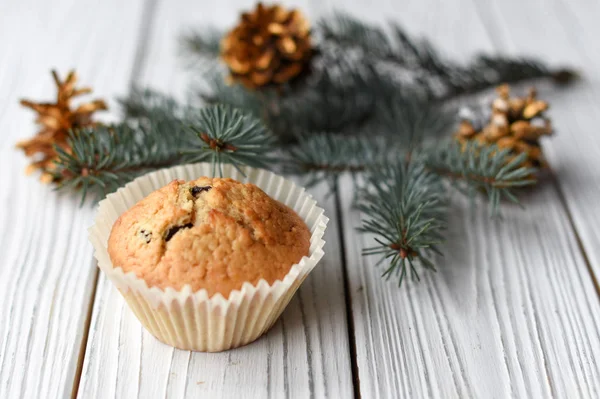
[198, 189]
[145, 235]
[173, 230]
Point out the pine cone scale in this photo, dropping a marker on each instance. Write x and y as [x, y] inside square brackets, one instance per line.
[270, 45]
[287, 73]
[55, 120]
[266, 59]
[516, 124]
[274, 29]
[261, 77]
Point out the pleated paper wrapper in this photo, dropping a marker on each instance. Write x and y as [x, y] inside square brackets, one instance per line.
[191, 320]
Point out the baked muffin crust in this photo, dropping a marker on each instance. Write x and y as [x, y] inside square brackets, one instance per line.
[210, 233]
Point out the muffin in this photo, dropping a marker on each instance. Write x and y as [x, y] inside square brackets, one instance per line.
[208, 264]
[213, 234]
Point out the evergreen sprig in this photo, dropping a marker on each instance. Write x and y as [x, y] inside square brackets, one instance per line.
[472, 167]
[146, 104]
[105, 157]
[412, 119]
[325, 156]
[201, 49]
[205, 43]
[159, 134]
[432, 71]
[334, 99]
[404, 207]
[222, 134]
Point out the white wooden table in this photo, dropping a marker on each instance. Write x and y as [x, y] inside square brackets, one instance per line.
[513, 311]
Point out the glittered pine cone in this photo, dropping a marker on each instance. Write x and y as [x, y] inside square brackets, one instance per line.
[269, 46]
[516, 124]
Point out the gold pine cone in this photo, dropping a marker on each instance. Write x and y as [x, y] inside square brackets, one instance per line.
[269, 46]
[55, 120]
[516, 124]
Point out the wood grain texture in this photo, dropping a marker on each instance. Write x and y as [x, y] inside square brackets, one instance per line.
[512, 311]
[46, 272]
[575, 150]
[306, 354]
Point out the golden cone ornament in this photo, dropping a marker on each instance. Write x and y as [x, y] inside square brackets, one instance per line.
[56, 119]
[269, 46]
[516, 124]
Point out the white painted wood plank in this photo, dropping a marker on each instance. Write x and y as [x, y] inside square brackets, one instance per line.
[306, 354]
[574, 152]
[513, 310]
[46, 272]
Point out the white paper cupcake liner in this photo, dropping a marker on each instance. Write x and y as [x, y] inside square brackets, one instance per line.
[191, 320]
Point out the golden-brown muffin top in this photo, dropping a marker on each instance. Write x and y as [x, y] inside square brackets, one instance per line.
[209, 233]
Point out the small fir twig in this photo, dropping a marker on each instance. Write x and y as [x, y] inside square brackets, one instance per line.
[404, 206]
[204, 44]
[145, 104]
[325, 156]
[419, 56]
[103, 158]
[100, 159]
[222, 134]
[472, 167]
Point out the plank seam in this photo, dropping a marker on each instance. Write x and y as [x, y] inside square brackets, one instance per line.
[286, 376]
[84, 339]
[187, 371]
[347, 296]
[311, 382]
